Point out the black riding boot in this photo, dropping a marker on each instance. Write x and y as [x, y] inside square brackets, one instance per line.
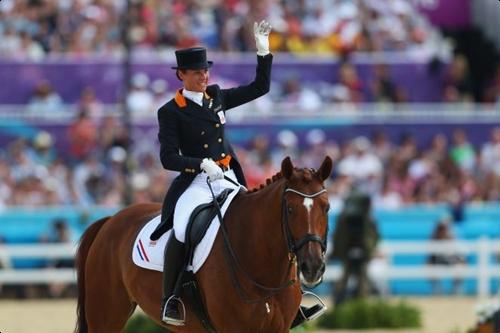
[306, 313]
[172, 311]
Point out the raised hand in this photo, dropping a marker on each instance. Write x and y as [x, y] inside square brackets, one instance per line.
[261, 32]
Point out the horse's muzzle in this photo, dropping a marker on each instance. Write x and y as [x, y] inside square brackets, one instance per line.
[311, 272]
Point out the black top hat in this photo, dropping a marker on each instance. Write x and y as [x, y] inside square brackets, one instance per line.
[192, 58]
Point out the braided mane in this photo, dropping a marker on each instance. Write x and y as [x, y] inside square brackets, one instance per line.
[269, 181]
[307, 178]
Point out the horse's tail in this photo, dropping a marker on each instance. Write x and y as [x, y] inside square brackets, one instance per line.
[81, 258]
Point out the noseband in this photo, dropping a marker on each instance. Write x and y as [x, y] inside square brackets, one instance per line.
[295, 245]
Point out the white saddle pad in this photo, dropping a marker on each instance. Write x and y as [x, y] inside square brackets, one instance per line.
[149, 254]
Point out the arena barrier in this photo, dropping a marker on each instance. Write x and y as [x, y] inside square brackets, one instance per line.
[483, 270]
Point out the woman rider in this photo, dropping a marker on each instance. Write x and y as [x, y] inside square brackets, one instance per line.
[193, 142]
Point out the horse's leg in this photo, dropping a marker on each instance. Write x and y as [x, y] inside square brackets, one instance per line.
[108, 306]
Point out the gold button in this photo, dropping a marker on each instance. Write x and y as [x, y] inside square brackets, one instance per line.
[223, 155]
[202, 132]
[205, 146]
[217, 125]
[220, 140]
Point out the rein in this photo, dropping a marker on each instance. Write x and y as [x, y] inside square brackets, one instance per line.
[293, 247]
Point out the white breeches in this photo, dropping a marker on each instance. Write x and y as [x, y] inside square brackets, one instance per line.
[196, 194]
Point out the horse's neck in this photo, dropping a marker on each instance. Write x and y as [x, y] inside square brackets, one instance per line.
[259, 238]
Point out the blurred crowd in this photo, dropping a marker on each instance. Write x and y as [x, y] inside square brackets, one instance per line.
[394, 174]
[349, 91]
[99, 159]
[147, 95]
[34, 28]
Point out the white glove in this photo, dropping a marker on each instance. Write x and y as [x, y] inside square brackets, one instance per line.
[261, 32]
[213, 171]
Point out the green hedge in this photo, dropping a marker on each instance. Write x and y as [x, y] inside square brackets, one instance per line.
[139, 323]
[364, 314]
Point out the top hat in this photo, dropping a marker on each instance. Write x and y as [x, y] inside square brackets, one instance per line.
[192, 58]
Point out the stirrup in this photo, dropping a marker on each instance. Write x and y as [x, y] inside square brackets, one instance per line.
[174, 321]
[321, 307]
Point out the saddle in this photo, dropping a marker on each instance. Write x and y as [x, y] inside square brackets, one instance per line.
[198, 224]
[200, 220]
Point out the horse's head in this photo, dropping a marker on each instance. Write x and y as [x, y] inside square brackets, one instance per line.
[305, 217]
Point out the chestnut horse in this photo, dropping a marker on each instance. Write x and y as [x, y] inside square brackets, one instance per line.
[274, 234]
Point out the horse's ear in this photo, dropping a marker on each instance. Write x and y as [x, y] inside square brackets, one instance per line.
[325, 169]
[287, 167]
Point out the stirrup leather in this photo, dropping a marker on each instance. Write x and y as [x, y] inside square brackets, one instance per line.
[322, 307]
[174, 321]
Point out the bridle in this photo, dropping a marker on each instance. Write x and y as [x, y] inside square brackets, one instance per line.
[293, 247]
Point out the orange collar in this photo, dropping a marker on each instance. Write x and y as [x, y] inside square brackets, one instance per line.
[181, 100]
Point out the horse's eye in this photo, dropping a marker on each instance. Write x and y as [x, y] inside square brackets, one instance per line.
[327, 209]
[290, 210]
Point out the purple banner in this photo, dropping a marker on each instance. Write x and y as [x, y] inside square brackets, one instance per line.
[446, 13]
[243, 134]
[106, 78]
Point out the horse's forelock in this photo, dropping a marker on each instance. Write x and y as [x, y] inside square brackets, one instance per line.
[307, 175]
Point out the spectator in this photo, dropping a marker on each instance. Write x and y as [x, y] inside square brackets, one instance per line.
[160, 93]
[438, 148]
[458, 81]
[260, 158]
[43, 151]
[398, 179]
[383, 89]
[7, 184]
[112, 133]
[348, 78]
[114, 177]
[286, 145]
[382, 147]
[442, 232]
[140, 100]
[140, 183]
[82, 137]
[362, 166]
[89, 104]
[316, 148]
[388, 199]
[490, 154]
[462, 153]
[297, 96]
[87, 182]
[45, 100]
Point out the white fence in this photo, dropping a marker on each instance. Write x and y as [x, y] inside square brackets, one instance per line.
[485, 269]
